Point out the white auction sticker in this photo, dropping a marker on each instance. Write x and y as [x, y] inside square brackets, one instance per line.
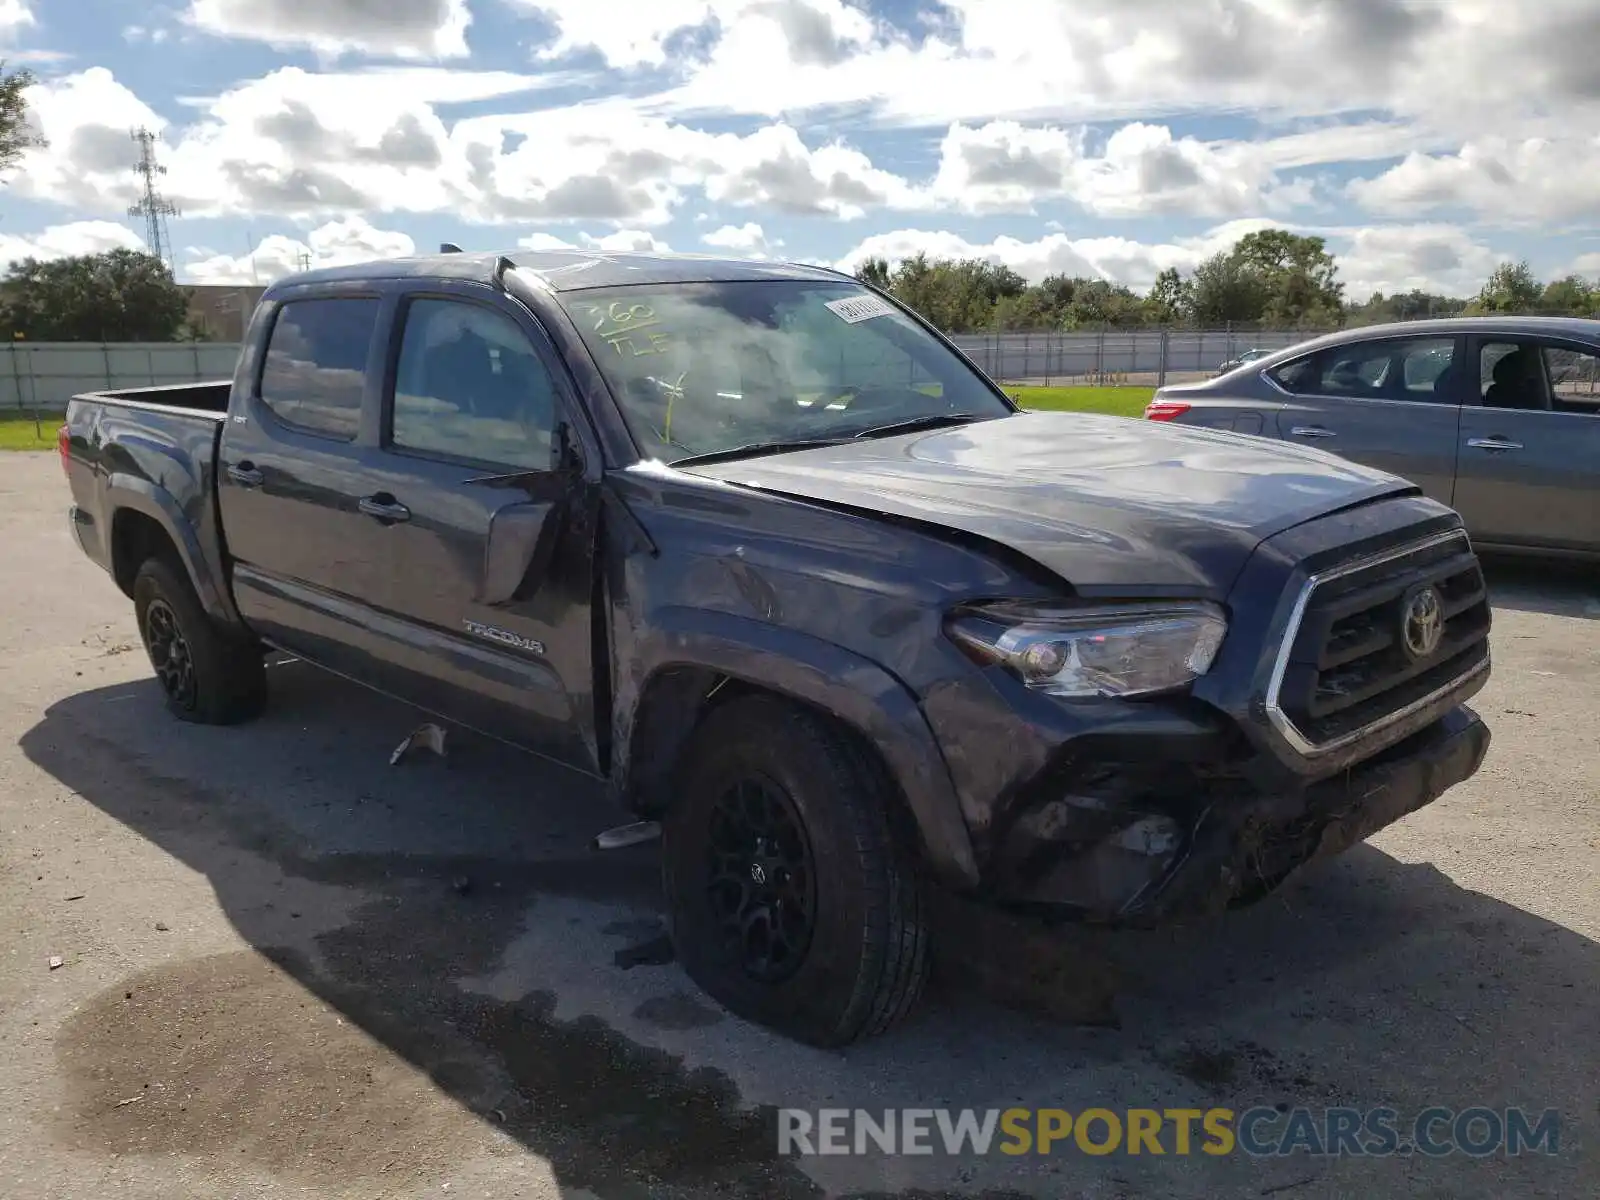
[860, 308]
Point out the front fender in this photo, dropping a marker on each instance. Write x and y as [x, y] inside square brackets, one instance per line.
[857, 691]
[125, 492]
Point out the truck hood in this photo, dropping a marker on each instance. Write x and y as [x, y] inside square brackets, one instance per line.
[1108, 504]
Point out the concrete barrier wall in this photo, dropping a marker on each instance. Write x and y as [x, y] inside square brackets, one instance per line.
[48, 374]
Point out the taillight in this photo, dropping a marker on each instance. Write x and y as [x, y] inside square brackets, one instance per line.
[1165, 410]
[64, 446]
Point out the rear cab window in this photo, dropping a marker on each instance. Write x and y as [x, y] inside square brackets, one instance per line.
[314, 372]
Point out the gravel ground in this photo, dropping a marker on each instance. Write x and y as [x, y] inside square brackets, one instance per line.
[290, 969]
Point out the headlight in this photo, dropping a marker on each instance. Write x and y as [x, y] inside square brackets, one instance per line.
[1131, 650]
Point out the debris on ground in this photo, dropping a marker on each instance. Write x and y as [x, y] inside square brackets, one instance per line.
[623, 836]
[426, 737]
[162, 927]
[57, 962]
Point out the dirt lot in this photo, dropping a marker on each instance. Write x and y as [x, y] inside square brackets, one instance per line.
[291, 969]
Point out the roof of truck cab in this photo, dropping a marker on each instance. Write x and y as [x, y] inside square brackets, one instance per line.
[565, 270]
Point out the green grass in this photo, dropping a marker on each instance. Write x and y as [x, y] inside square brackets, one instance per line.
[1117, 401]
[16, 431]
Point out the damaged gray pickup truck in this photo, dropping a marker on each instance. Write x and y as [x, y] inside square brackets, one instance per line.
[764, 552]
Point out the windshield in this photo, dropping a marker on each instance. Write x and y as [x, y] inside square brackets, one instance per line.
[700, 368]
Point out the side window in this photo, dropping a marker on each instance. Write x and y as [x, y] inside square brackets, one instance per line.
[1511, 375]
[1574, 379]
[1298, 375]
[1401, 369]
[469, 385]
[316, 364]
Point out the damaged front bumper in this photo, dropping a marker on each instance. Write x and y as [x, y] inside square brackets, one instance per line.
[1144, 844]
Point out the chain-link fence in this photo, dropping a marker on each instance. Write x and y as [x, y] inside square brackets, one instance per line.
[1109, 356]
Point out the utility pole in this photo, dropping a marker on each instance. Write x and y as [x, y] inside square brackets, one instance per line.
[153, 206]
[303, 260]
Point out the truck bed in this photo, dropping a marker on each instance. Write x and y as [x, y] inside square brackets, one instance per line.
[209, 397]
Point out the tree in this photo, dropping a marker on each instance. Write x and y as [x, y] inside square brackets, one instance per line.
[1298, 277]
[1571, 296]
[1169, 297]
[16, 134]
[1226, 289]
[119, 296]
[874, 272]
[1511, 289]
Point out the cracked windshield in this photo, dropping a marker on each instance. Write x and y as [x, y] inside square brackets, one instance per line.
[716, 368]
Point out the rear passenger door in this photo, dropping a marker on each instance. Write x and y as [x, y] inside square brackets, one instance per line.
[1530, 445]
[1391, 403]
[480, 515]
[289, 469]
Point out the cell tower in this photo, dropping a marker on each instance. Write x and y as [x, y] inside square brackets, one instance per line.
[153, 206]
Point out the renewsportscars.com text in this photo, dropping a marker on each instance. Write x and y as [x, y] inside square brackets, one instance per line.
[1259, 1132]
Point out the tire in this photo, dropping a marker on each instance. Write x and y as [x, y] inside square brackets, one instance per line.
[207, 675]
[862, 965]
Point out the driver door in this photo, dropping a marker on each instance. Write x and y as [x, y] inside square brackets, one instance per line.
[481, 510]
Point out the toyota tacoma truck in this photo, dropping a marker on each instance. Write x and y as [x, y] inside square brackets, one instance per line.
[762, 551]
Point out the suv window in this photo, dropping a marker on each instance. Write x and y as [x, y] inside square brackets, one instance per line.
[469, 385]
[1574, 379]
[1400, 369]
[316, 363]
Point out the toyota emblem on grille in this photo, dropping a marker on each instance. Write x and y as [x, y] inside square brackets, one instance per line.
[1422, 623]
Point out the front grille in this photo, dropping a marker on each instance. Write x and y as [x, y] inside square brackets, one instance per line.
[1349, 666]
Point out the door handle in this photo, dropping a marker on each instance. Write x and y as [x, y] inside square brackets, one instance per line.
[1493, 443]
[1311, 431]
[245, 474]
[384, 507]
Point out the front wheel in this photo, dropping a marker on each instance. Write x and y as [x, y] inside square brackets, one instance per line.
[206, 674]
[792, 900]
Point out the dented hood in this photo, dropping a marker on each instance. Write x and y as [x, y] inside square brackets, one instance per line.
[1108, 504]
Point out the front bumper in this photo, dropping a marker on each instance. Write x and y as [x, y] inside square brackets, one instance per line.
[1128, 849]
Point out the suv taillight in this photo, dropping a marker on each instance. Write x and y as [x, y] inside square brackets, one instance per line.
[64, 446]
[1164, 410]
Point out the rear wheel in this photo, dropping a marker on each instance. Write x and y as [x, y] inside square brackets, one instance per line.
[793, 902]
[207, 675]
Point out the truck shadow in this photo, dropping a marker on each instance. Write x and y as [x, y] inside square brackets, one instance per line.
[450, 916]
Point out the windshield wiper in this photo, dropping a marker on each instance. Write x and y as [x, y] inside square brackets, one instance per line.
[753, 448]
[931, 421]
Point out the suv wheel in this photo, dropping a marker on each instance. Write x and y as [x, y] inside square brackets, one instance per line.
[792, 901]
[206, 675]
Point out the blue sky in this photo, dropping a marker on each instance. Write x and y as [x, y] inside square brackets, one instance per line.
[1426, 141]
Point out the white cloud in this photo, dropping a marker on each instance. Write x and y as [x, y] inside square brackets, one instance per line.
[748, 240]
[88, 163]
[622, 241]
[306, 146]
[1457, 66]
[64, 241]
[413, 29]
[1142, 169]
[1526, 181]
[337, 243]
[14, 16]
[799, 32]
[1587, 265]
[1442, 259]
[1119, 260]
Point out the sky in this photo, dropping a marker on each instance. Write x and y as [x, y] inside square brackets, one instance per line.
[1426, 140]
